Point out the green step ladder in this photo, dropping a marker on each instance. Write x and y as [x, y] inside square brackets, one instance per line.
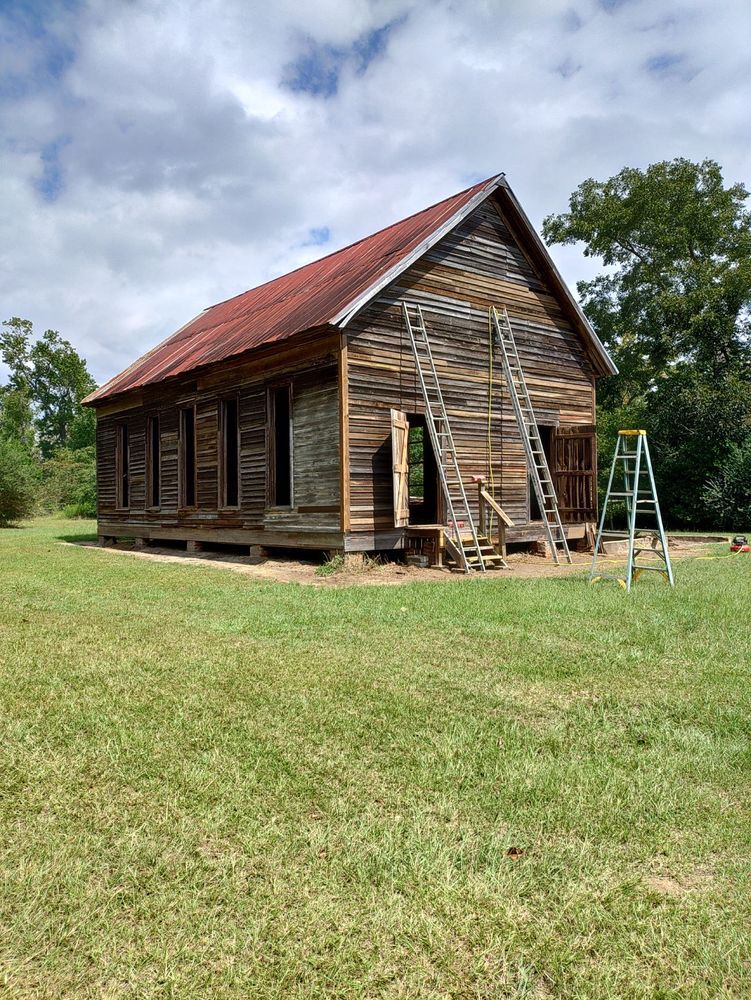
[631, 480]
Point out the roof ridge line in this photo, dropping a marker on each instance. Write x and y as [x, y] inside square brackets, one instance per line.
[354, 243]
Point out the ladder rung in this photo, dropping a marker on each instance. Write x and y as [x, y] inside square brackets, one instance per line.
[630, 496]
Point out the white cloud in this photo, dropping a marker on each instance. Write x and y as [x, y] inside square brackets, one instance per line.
[158, 158]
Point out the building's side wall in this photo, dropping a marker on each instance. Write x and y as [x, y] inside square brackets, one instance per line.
[478, 265]
[314, 520]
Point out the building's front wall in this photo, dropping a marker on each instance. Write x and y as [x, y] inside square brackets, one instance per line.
[314, 517]
[477, 266]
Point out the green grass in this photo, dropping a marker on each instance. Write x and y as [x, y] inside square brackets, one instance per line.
[212, 787]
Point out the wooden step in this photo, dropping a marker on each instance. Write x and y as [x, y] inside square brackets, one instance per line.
[490, 559]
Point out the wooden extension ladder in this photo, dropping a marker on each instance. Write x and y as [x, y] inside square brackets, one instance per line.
[537, 463]
[466, 548]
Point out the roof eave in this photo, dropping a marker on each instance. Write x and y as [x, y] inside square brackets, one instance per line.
[104, 393]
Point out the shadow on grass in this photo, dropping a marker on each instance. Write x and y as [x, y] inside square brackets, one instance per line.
[79, 537]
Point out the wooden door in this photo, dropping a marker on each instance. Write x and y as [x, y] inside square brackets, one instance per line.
[574, 470]
[400, 457]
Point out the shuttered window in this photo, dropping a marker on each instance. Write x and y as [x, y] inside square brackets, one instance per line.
[153, 461]
[188, 457]
[122, 459]
[229, 454]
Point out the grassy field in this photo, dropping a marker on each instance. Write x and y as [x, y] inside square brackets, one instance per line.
[493, 788]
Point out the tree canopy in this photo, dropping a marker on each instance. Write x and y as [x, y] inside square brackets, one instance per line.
[47, 381]
[46, 436]
[676, 243]
[672, 305]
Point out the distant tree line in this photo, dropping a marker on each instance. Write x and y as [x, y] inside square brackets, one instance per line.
[46, 437]
[673, 308]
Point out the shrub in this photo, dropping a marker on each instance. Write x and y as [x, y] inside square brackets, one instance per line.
[727, 495]
[69, 483]
[17, 483]
[74, 510]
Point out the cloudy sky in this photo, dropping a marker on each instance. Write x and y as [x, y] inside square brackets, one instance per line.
[161, 156]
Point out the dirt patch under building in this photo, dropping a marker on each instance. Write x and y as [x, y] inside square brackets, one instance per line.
[311, 571]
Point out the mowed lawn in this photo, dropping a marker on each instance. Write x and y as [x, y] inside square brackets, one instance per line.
[212, 787]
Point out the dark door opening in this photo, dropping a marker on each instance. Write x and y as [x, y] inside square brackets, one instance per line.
[153, 460]
[280, 459]
[187, 457]
[424, 493]
[229, 428]
[546, 435]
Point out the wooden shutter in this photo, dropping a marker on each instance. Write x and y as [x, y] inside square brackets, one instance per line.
[575, 472]
[400, 456]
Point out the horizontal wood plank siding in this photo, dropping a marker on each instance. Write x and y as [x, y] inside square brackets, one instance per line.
[105, 466]
[207, 468]
[316, 466]
[252, 412]
[315, 454]
[168, 423]
[477, 266]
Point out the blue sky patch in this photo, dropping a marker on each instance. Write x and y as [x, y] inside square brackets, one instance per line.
[27, 17]
[664, 63]
[372, 44]
[49, 184]
[671, 64]
[316, 71]
[317, 236]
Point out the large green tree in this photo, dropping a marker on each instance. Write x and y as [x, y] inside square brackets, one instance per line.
[672, 305]
[47, 381]
[676, 244]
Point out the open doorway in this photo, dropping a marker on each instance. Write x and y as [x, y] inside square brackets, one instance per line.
[423, 473]
[546, 436]
[417, 496]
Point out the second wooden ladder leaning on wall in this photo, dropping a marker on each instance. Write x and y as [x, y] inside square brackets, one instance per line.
[537, 463]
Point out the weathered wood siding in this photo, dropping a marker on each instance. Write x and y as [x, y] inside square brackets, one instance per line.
[479, 265]
[316, 513]
[315, 455]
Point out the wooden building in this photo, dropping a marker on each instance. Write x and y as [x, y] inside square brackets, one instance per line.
[268, 419]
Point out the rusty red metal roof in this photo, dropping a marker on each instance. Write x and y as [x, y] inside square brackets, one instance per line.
[314, 295]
